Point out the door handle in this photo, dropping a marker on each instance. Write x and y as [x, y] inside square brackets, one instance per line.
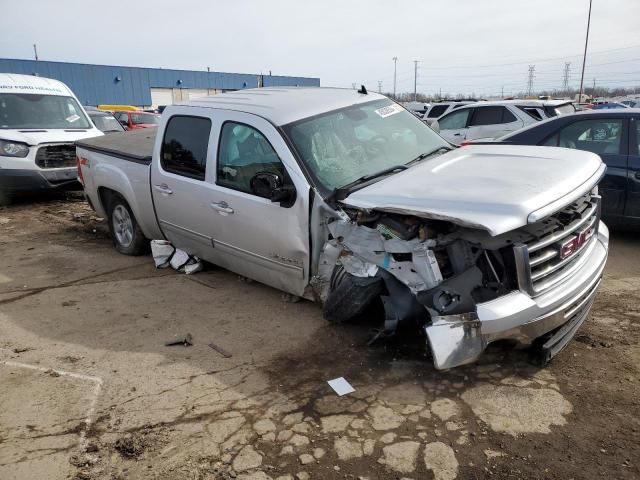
[457, 134]
[163, 188]
[222, 207]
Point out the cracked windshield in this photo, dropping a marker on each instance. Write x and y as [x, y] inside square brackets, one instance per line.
[344, 145]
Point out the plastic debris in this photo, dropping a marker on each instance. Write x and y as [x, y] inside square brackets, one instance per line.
[165, 255]
[220, 350]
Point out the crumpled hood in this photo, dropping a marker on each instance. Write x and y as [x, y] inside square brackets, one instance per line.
[39, 136]
[492, 187]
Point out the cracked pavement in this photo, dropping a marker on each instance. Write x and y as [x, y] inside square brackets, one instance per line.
[90, 390]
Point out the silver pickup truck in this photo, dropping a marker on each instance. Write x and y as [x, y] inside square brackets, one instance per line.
[344, 197]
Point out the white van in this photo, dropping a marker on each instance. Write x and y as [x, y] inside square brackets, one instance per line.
[40, 119]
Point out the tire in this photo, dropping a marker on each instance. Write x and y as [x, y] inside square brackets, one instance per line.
[127, 237]
[5, 199]
[349, 295]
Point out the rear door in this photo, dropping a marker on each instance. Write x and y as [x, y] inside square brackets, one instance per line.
[453, 125]
[632, 208]
[492, 122]
[606, 136]
[181, 193]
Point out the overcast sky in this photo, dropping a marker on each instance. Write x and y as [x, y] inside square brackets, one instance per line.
[463, 46]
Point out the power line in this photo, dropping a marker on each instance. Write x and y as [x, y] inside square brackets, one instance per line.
[537, 60]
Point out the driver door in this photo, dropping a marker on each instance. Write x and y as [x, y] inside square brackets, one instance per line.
[253, 236]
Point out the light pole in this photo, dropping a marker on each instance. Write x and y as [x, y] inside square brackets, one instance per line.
[395, 69]
[584, 57]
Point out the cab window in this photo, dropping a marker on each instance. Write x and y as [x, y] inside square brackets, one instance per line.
[184, 147]
[244, 151]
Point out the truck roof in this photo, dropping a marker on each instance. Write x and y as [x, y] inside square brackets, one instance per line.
[15, 83]
[285, 105]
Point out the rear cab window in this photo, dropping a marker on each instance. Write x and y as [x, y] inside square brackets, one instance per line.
[184, 146]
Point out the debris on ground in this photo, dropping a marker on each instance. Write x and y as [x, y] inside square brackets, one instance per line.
[186, 340]
[131, 446]
[341, 386]
[165, 255]
[220, 350]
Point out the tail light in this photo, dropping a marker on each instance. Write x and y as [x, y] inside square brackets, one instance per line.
[79, 162]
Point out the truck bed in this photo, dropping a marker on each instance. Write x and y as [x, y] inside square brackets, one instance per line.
[136, 146]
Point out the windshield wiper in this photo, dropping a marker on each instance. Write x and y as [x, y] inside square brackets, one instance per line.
[342, 192]
[422, 156]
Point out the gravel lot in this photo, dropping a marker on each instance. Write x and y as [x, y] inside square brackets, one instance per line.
[89, 391]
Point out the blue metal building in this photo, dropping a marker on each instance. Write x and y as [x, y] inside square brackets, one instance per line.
[104, 84]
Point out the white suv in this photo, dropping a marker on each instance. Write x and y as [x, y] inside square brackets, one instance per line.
[489, 120]
[440, 108]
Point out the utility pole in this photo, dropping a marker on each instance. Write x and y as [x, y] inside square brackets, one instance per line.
[395, 71]
[594, 87]
[565, 76]
[532, 69]
[584, 57]
[502, 92]
[35, 51]
[379, 86]
[415, 80]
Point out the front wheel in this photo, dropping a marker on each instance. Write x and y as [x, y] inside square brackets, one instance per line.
[125, 232]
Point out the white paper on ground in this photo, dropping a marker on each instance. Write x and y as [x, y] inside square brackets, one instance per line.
[341, 386]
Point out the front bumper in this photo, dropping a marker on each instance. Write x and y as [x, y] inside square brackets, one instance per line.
[459, 339]
[13, 181]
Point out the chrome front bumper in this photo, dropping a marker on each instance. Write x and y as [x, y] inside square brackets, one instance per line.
[459, 339]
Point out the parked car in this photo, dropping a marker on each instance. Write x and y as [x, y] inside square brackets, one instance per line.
[105, 121]
[417, 108]
[488, 120]
[344, 197]
[609, 106]
[631, 102]
[136, 120]
[40, 119]
[438, 109]
[614, 136]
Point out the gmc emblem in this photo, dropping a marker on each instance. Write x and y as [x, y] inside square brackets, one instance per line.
[575, 242]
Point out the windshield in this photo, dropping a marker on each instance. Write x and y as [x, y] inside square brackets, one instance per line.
[25, 110]
[144, 118]
[107, 123]
[347, 144]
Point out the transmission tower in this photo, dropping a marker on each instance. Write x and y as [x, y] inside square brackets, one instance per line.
[565, 76]
[532, 69]
[379, 86]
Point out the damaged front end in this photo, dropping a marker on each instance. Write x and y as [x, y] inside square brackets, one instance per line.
[429, 272]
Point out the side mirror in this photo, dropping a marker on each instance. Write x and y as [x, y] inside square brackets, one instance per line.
[270, 185]
[125, 127]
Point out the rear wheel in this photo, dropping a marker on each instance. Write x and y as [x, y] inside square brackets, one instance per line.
[125, 232]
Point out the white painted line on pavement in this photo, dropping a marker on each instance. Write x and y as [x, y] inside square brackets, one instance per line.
[88, 420]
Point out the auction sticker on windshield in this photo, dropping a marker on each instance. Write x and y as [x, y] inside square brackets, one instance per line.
[389, 110]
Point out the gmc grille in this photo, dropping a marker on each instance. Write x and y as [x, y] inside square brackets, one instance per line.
[546, 261]
[56, 156]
